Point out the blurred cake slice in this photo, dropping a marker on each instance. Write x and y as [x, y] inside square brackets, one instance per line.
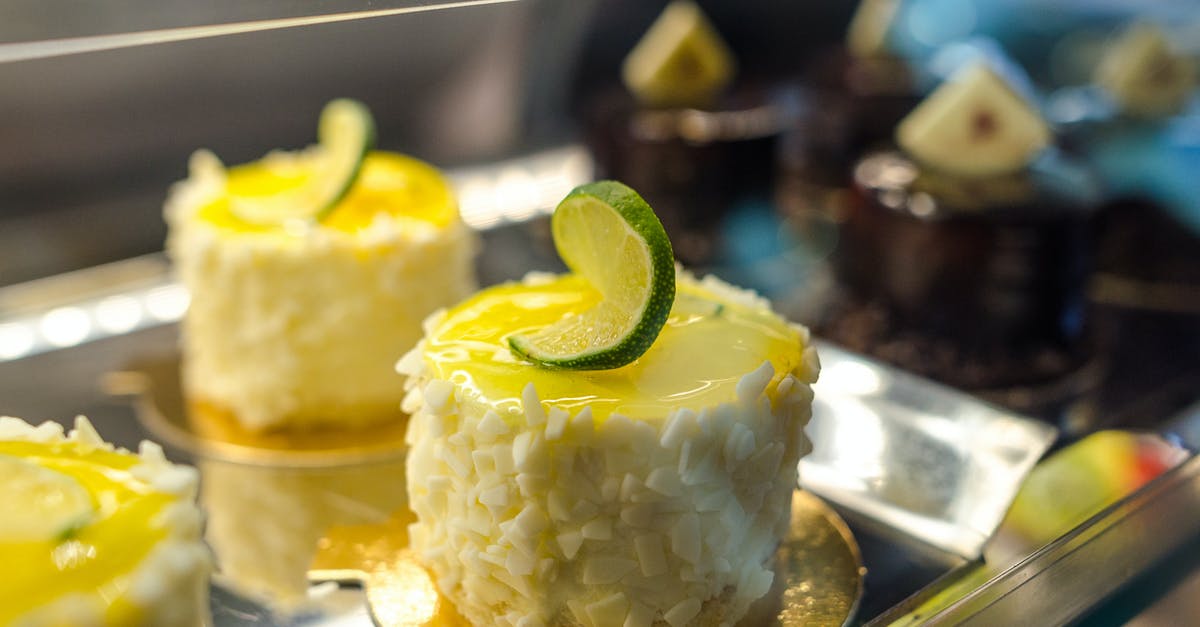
[93, 535]
[1144, 75]
[298, 311]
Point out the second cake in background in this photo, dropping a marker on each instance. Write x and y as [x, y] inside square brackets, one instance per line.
[309, 274]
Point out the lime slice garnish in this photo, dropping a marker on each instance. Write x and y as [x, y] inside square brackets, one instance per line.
[608, 235]
[345, 134]
[42, 504]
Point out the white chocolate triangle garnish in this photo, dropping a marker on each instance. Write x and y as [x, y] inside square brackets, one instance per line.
[1145, 77]
[974, 125]
[680, 61]
[867, 35]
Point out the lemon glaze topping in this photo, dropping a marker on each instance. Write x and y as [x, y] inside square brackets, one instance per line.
[392, 185]
[710, 341]
[106, 566]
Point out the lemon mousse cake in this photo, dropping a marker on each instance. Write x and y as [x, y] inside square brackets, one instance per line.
[309, 273]
[653, 492]
[93, 535]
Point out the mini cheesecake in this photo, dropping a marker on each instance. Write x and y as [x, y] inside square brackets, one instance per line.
[296, 324]
[93, 535]
[653, 493]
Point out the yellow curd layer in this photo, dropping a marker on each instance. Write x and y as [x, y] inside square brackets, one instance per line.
[708, 344]
[389, 184]
[97, 558]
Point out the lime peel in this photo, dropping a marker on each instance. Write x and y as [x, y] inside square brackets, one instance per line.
[606, 232]
[345, 135]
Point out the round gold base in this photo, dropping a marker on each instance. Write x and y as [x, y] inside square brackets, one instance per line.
[212, 433]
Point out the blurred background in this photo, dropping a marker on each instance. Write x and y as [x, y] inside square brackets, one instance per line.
[92, 141]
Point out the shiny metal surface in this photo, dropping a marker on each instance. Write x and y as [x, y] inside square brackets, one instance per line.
[119, 298]
[1061, 581]
[914, 455]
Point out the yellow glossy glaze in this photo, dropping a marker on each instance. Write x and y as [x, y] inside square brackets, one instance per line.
[98, 558]
[389, 183]
[696, 361]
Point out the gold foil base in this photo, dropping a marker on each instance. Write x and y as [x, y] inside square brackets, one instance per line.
[818, 572]
[209, 432]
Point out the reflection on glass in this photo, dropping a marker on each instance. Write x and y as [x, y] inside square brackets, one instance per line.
[32, 29]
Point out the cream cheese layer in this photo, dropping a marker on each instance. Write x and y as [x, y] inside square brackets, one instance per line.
[119, 543]
[653, 493]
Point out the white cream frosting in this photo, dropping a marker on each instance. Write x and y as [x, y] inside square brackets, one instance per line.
[301, 326]
[560, 518]
[170, 585]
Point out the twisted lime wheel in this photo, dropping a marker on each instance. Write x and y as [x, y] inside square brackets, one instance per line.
[606, 233]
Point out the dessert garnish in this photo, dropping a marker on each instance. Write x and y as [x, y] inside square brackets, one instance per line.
[1144, 75]
[608, 235]
[974, 125]
[867, 35]
[680, 62]
[345, 134]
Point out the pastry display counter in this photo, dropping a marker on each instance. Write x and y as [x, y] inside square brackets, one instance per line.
[905, 576]
[1014, 498]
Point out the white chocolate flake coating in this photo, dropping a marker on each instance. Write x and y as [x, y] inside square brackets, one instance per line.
[301, 327]
[561, 519]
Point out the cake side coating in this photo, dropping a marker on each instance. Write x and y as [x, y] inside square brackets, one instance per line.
[169, 587]
[300, 326]
[557, 517]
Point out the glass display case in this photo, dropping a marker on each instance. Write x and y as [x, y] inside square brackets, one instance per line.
[519, 102]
